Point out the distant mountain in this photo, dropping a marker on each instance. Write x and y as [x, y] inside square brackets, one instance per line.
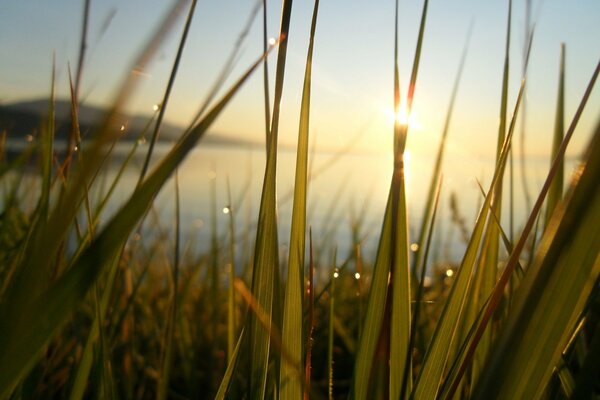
[27, 117]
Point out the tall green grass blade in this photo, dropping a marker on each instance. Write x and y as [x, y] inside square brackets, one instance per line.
[556, 189]
[163, 105]
[445, 334]
[498, 291]
[390, 285]
[265, 277]
[23, 331]
[552, 293]
[399, 292]
[266, 76]
[420, 292]
[38, 254]
[490, 251]
[290, 386]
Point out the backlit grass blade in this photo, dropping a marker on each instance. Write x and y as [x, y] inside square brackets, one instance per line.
[487, 272]
[265, 277]
[40, 253]
[555, 193]
[293, 338]
[444, 337]
[23, 331]
[498, 291]
[400, 291]
[552, 293]
[163, 105]
[420, 292]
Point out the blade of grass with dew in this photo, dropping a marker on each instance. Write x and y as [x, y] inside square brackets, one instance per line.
[555, 193]
[330, 332]
[38, 254]
[292, 332]
[498, 291]
[311, 320]
[553, 292]
[231, 291]
[436, 357]
[265, 277]
[25, 336]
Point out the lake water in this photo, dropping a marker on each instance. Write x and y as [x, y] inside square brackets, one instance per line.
[342, 187]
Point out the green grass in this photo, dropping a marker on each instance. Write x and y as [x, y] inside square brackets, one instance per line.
[92, 310]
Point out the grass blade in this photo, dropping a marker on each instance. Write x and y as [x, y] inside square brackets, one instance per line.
[290, 386]
[498, 291]
[23, 340]
[265, 278]
[444, 337]
[552, 294]
[555, 193]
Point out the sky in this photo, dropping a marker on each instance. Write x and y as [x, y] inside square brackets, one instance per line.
[352, 92]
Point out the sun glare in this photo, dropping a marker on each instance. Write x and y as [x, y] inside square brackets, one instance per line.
[401, 116]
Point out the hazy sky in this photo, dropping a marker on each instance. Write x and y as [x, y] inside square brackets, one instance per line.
[353, 64]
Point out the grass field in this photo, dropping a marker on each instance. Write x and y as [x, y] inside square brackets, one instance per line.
[90, 307]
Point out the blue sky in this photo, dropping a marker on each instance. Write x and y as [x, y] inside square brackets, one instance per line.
[352, 86]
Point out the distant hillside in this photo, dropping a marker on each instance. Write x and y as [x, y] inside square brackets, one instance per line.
[26, 117]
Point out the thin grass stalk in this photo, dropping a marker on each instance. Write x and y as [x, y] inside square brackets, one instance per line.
[553, 292]
[231, 291]
[24, 340]
[498, 291]
[266, 76]
[556, 188]
[420, 291]
[393, 234]
[311, 320]
[265, 277]
[163, 382]
[428, 381]
[528, 34]
[290, 387]
[39, 253]
[330, 331]
[399, 291]
[439, 158]
[163, 105]
[231, 368]
[490, 253]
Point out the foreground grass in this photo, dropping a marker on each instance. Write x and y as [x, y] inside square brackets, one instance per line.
[91, 311]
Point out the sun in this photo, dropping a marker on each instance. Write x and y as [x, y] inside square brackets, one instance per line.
[401, 116]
